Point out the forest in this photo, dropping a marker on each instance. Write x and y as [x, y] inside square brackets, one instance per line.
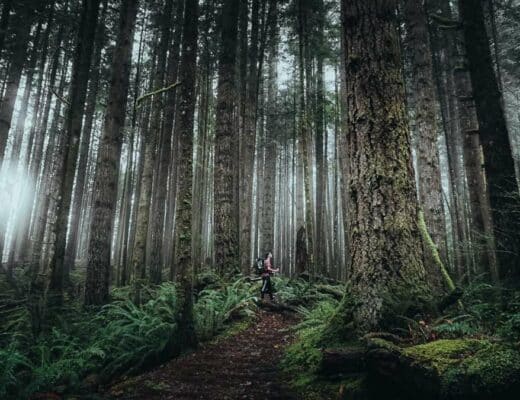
[260, 199]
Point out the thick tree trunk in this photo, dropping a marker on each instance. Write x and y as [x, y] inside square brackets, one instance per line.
[247, 146]
[498, 157]
[429, 176]
[105, 182]
[227, 257]
[268, 206]
[386, 251]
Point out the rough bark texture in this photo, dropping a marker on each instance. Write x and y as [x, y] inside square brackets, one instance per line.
[386, 267]
[268, 203]
[77, 94]
[247, 146]
[429, 176]
[226, 224]
[184, 128]
[105, 182]
[498, 158]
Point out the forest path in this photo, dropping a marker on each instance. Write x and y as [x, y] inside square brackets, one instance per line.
[241, 366]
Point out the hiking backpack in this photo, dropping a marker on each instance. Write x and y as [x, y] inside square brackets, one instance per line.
[259, 266]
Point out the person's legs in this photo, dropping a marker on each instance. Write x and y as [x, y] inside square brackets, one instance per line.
[264, 287]
[270, 288]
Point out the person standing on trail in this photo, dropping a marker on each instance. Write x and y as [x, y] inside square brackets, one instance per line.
[266, 276]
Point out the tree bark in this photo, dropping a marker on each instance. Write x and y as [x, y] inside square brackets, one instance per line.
[385, 263]
[227, 256]
[429, 176]
[77, 94]
[80, 186]
[107, 173]
[184, 128]
[498, 158]
[163, 160]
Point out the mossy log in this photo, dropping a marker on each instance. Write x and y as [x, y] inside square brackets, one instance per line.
[444, 370]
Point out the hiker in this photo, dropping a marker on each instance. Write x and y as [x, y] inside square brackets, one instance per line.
[266, 276]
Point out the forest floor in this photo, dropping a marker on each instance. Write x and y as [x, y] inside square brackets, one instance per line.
[240, 366]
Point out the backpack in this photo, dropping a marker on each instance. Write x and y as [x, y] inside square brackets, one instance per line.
[259, 266]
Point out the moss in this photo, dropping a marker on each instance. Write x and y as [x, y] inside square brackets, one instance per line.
[463, 369]
[443, 354]
[384, 344]
[308, 387]
[493, 370]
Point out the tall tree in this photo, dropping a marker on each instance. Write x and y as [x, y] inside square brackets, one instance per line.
[162, 162]
[226, 223]
[423, 86]
[385, 263]
[73, 123]
[184, 128]
[107, 172]
[269, 178]
[88, 126]
[494, 137]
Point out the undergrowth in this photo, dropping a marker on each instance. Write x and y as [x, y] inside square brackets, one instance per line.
[86, 346]
[81, 348]
[490, 312]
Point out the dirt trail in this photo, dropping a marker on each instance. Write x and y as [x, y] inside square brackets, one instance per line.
[243, 366]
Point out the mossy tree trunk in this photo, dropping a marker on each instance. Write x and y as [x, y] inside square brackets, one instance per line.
[226, 223]
[106, 179]
[184, 128]
[429, 176]
[385, 264]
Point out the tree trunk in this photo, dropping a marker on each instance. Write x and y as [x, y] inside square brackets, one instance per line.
[74, 118]
[184, 128]
[105, 181]
[386, 251]
[80, 186]
[227, 257]
[498, 157]
[164, 141]
[429, 176]
[268, 206]
[481, 223]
